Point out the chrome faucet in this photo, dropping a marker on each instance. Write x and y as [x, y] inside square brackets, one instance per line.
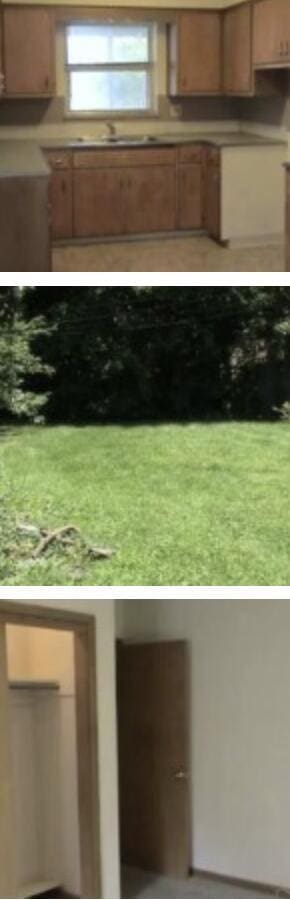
[112, 131]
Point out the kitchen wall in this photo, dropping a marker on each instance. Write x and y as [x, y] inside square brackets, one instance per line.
[160, 4]
[48, 118]
[240, 723]
[103, 611]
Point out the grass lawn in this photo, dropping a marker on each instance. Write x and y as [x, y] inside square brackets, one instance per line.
[182, 504]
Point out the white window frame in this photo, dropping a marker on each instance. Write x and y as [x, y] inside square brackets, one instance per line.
[149, 67]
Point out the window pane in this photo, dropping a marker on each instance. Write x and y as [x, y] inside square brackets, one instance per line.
[109, 90]
[103, 44]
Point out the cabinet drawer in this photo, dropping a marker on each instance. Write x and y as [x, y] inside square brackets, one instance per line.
[190, 153]
[91, 159]
[58, 159]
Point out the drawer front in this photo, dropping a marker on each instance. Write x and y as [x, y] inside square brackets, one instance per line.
[190, 153]
[91, 159]
[59, 159]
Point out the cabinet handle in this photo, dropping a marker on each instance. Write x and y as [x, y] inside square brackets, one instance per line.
[63, 186]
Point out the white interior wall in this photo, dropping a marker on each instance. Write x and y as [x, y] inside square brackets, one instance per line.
[240, 727]
[103, 612]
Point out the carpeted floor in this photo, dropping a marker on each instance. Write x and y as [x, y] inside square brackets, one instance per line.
[143, 884]
[186, 254]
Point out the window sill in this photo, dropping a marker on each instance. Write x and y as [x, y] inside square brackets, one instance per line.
[110, 116]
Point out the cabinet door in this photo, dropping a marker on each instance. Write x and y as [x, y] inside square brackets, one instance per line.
[272, 32]
[24, 232]
[198, 53]
[98, 202]
[190, 196]
[213, 195]
[287, 248]
[150, 199]
[28, 51]
[60, 199]
[238, 71]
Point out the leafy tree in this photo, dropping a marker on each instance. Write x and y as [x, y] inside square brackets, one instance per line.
[124, 353]
[18, 362]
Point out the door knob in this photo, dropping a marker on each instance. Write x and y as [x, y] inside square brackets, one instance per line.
[180, 775]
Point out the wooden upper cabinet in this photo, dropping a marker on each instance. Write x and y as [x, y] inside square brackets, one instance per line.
[272, 33]
[28, 43]
[195, 53]
[237, 49]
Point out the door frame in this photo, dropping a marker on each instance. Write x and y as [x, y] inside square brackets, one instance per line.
[83, 628]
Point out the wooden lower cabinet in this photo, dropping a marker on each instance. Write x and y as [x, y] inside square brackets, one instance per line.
[61, 201]
[190, 206]
[98, 206]
[24, 228]
[94, 195]
[123, 201]
[287, 235]
[212, 195]
[150, 199]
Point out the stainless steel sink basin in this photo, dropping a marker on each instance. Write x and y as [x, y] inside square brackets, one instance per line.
[124, 139]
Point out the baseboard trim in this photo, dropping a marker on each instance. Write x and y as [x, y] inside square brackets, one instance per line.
[274, 890]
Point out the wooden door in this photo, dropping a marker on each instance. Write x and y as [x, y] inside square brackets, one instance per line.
[238, 70]
[213, 194]
[7, 884]
[28, 51]
[271, 32]
[153, 717]
[60, 199]
[150, 199]
[190, 196]
[98, 202]
[199, 53]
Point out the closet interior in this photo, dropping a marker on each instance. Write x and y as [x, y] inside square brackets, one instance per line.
[43, 740]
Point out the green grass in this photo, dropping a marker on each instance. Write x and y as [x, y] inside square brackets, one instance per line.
[182, 504]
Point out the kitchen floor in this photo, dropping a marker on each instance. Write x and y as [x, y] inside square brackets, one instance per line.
[186, 254]
[143, 884]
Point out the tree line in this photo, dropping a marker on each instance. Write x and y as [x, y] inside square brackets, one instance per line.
[78, 354]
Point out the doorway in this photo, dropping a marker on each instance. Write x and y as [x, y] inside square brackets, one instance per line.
[154, 756]
[49, 809]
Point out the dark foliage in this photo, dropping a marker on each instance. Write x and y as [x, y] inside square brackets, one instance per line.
[120, 353]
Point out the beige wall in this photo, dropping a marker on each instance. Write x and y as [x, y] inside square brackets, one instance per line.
[155, 4]
[103, 612]
[240, 727]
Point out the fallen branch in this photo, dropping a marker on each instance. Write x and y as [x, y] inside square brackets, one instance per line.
[51, 536]
[65, 536]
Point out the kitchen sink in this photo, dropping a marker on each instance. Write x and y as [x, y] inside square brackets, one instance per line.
[124, 139]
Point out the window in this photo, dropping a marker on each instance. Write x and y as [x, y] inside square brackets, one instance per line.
[109, 68]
